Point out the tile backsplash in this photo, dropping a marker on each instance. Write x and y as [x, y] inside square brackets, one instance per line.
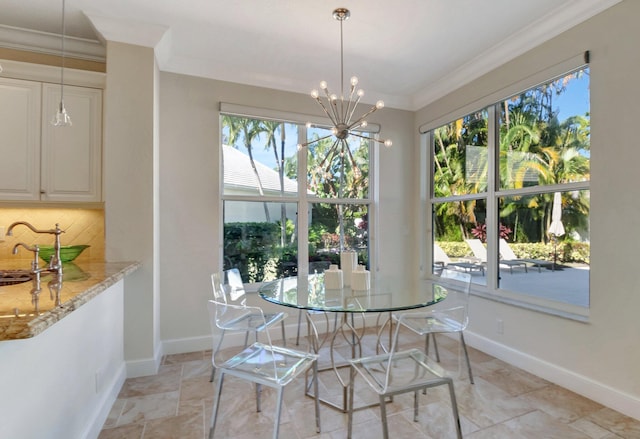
[81, 226]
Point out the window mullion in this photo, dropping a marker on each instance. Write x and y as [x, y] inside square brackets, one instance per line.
[493, 153]
[302, 217]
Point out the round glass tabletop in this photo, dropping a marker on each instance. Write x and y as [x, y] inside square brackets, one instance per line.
[310, 294]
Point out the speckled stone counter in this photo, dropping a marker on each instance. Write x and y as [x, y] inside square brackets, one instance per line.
[81, 283]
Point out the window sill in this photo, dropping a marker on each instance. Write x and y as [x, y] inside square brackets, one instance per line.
[559, 309]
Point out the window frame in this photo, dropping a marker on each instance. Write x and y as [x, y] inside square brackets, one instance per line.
[493, 193]
[304, 200]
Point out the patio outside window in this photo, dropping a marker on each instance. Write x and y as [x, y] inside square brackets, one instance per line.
[496, 173]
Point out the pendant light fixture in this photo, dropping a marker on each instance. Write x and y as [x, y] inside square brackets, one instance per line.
[62, 118]
[340, 110]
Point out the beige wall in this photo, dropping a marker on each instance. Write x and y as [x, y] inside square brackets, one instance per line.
[81, 226]
[190, 216]
[130, 188]
[600, 358]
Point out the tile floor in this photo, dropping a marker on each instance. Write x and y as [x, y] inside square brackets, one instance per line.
[505, 402]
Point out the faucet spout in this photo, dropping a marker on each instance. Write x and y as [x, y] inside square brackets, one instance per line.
[55, 264]
[55, 231]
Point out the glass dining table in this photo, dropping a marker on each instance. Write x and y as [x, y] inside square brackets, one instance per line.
[309, 295]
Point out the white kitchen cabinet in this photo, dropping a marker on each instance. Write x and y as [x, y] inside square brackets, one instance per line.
[20, 103]
[40, 162]
[71, 156]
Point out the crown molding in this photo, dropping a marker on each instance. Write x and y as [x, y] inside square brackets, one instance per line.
[538, 32]
[127, 31]
[44, 73]
[43, 42]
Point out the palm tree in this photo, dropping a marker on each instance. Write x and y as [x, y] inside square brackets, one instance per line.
[243, 129]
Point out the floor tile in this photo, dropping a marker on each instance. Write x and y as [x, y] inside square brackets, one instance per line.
[504, 403]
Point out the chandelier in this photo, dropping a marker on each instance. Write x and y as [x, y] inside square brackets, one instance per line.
[340, 110]
[62, 118]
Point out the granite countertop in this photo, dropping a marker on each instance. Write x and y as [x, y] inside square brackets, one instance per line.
[81, 282]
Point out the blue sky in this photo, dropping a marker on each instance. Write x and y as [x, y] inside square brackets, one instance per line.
[575, 99]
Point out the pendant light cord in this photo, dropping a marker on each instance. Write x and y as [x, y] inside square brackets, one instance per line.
[62, 46]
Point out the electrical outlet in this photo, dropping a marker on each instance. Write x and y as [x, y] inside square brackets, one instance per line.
[499, 326]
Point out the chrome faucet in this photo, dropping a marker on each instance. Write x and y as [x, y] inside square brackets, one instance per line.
[35, 272]
[55, 264]
[36, 252]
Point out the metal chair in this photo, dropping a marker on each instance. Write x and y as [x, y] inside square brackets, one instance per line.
[399, 372]
[450, 316]
[228, 288]
[260, 363]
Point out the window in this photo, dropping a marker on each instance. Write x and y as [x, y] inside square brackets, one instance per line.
[513, 178]
[287, 210]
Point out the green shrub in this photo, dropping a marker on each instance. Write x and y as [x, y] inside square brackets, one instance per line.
[577, 252]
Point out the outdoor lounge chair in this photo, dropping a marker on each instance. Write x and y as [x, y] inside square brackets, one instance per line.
[507, 253]
[441, 260]
[480, 252]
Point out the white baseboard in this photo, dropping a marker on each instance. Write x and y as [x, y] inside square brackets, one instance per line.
[202, 343]
[613, 398]
[184, 345]
[149, 366]
[104, 408]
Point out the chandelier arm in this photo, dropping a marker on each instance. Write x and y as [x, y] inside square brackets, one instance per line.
[368, 138]
[371, 111]
[329, 153]
[336, 117]
[302, 145]
[334, 105]
[349, 112]
[326, 111]
[350, 154]
[355, 104]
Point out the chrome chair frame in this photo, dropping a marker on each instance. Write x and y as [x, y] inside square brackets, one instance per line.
[446, 320]
[385, 372]
[260, 363]
[228, 288]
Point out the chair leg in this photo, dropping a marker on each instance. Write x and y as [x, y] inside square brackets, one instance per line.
[216, 406]
[213, 374]
[383, 416]
[435, 346]
[299, 323]
[258, 397]
[276, 427]
[350, 403]
[415, 406]
[454, 407]
[466, 355]
[284, 336]
[317, 397]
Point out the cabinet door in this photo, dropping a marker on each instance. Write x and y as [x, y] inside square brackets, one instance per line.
[19, 139]
[72, 155]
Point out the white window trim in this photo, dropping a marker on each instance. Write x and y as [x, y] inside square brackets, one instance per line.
[489, 102]
[304, 197]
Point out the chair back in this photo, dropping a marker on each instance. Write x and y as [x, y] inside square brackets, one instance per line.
[223, 316]
[228, 287]
[456, 305]
[262, 361]
[396, 369]
[478, 249]
[439, 255]
[505, 250]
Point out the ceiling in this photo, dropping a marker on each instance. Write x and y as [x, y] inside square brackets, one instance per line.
[407, 53]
